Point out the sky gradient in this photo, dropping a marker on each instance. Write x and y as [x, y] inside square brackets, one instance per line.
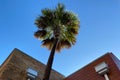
[99, 31]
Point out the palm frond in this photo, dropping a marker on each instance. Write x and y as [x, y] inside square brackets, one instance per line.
[41, 22]
[40, 34]
[62, 44]
[47, 12]
[48, 43]
[65, 44]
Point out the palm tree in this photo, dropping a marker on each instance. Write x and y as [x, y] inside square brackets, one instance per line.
[57, 29]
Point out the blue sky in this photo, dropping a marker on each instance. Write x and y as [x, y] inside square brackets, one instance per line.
[99, 32]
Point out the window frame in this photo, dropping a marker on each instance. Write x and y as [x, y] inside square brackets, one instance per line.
[31, 73]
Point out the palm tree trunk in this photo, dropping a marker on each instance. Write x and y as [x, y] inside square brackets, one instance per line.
[50, 61]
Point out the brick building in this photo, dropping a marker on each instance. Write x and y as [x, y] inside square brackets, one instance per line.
[20, 66]
[110, 64]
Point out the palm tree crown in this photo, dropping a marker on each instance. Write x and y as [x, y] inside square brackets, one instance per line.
[58, 23]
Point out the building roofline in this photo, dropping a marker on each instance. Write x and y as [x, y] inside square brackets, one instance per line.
[23, 53]
[116, 61]
[7, 59]
[108, 53]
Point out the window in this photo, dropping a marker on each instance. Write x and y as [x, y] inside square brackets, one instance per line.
[31, 74]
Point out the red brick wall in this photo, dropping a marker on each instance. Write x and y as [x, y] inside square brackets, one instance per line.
[88, 72]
